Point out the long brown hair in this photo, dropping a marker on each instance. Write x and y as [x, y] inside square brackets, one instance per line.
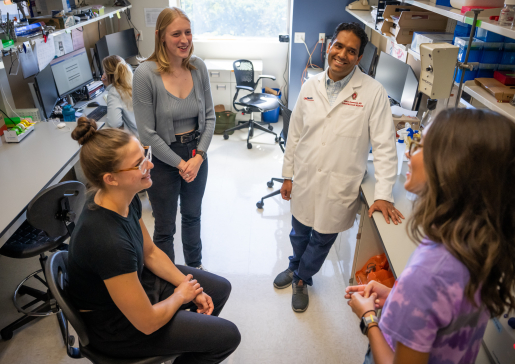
[468, 202]
[120, 75]
[165, 18]
[100, 152]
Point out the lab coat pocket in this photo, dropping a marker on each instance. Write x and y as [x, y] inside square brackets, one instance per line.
[350, 122]
[344, 189]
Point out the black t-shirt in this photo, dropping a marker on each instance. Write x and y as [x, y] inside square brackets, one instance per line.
[103, 245]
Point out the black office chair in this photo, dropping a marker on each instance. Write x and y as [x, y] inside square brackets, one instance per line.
[282, 143]
[254, 102]
[51, 217]
[57, 274]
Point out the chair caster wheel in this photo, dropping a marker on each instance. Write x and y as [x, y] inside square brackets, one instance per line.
[6, 335]
[270, 127]
[277, 139]
[249, 146]
[226, 136]
[260, 205]
[270, 184]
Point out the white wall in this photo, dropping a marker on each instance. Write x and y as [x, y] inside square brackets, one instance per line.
[146, 45]
[272, 53]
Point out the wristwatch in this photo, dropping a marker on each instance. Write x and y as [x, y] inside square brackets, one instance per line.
[202, 154]
[368, 319]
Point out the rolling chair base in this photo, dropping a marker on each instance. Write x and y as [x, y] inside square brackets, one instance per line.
[269, 184]
[47, 307]
[251, 124]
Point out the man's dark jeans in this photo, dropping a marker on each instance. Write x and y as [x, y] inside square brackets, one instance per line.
[310, 248]
[164, 194]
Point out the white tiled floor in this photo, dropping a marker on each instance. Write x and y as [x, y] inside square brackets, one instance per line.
[247, 246]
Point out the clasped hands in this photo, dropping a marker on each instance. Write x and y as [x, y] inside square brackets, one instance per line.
[365, 298]
[191, 291]
[189, 170]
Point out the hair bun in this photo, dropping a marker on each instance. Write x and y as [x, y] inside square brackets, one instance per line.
[85, 130]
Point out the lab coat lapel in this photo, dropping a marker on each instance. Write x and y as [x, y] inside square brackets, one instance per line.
[321, 86]
[348, 90]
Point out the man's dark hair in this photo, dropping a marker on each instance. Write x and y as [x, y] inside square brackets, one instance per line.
[354, 28]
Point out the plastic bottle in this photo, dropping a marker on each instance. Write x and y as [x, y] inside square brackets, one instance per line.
[68, 113]
[401, 149]
[507, 14]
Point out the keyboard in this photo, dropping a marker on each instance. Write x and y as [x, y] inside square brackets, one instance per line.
[98, 113]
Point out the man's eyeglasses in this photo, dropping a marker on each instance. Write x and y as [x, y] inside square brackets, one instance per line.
[143, 166]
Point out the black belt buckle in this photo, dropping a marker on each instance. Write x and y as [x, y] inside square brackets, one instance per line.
[189, 137]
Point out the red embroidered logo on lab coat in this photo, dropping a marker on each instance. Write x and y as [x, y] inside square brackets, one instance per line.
[308, 99]
[354, 96]
[353, 103]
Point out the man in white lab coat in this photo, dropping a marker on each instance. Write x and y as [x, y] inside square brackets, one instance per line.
[338, 115]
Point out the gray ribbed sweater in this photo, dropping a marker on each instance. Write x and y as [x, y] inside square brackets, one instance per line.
[154, 113]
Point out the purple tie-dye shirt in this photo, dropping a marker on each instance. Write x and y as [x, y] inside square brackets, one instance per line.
[427, 310]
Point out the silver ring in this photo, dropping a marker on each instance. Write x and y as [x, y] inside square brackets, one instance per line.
[187, 176]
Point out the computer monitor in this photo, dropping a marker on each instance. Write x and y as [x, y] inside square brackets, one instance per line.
[46, 91]
[369, 56]
[71, 72]
[398, 79]
[121, 43]
[410, 92]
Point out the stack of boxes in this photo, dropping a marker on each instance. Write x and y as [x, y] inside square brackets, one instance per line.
[489, 52]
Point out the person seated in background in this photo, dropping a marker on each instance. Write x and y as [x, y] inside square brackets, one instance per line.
[117, 78]
[462, 273]
[134, 301]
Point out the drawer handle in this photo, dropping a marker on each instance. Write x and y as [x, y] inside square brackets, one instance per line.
[215, 74]
[223, 87]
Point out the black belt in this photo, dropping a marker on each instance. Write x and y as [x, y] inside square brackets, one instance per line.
[188, 137]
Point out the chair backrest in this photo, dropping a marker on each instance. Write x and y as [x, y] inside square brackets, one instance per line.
[54, 209]
[244, 73]
[57, 278]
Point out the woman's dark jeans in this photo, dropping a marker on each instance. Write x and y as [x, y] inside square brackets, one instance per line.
[164, 194]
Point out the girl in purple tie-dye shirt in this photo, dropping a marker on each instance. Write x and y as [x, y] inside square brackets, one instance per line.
[461, 274]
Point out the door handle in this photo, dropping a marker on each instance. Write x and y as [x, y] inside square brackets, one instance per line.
[215, 74]
[223, 87]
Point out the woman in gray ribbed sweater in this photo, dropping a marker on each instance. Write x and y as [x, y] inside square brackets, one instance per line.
[175, 115]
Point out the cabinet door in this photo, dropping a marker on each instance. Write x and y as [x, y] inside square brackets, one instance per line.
[221, 94]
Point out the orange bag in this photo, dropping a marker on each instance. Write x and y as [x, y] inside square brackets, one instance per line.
[377, 269]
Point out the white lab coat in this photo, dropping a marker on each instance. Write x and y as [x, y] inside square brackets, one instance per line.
[327, 150]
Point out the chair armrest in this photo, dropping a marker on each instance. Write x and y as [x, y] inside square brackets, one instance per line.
[248, 88]
[265, 76]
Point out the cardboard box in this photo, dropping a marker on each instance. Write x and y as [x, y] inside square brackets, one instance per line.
[401, 25]
[58, 23]
[501, 92]
[401, 121]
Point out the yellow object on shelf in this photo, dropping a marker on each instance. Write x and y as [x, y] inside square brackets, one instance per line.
[99, 9]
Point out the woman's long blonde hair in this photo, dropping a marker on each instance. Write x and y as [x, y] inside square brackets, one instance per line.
[120, 75]
[165, 18]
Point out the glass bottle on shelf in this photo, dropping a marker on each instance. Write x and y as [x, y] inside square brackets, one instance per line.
[507, 14]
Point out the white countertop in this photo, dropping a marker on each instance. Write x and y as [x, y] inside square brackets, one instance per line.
[38, 161]
[397, 245]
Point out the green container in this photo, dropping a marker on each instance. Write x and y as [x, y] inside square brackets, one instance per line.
[224, 120]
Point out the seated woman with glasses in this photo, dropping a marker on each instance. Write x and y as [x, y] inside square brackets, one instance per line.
[134, 300]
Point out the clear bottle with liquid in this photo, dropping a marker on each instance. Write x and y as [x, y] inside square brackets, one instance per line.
[507, 14]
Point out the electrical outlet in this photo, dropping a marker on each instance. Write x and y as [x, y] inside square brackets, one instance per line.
[300, 37]
[321, 38]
